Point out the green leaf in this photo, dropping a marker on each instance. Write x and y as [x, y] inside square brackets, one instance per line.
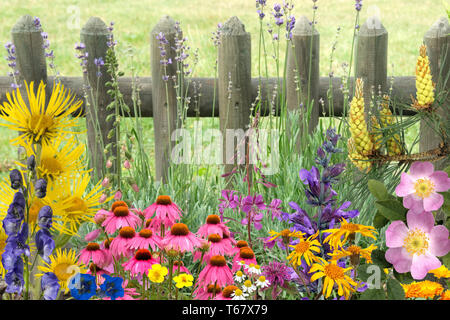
[395, 290]
[447, 170]
[61, 239]
[446, 206]
[378, 189]
[373, 294]
[391, 209]
[379, 259]
[379, 221]
[404, 278]
[446, 260]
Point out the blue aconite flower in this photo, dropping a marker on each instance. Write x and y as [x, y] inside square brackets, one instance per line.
[45, 218]
[15, 178]
[14, 278]
[50, 286]
[44, 244]
[82, 286]
[112, 287]
[16, 244]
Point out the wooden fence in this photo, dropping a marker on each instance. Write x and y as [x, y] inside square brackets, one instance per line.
[234, 63]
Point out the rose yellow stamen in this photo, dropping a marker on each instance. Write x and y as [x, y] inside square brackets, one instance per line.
[416, 242]
[423, 187]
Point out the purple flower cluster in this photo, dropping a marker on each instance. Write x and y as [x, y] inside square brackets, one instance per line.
[278, 14]
[163, 42]
[82, 55]
[181, 50]
[46, 43]
[11, 59]
[278, 275]
[358, 5]
[99, 63]
[260, 4]
[111, 43]
[290, 23]
[217, 34]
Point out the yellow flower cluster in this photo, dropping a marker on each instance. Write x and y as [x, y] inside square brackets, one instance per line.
[423, 289]
[424, 84]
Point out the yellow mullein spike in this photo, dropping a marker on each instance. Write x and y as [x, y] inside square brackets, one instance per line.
[358, 127]
[424, 85]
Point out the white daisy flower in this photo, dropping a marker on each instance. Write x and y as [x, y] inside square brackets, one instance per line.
[253, 268]
[238, 295]
[248, 286]
[239, 276]
[262, 282]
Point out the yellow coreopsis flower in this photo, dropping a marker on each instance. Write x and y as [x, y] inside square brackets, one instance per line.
[347, 230]
[157, 273]
[333, 274]
[305, 249]
[183, 280]
[39, 122]
[424, 84]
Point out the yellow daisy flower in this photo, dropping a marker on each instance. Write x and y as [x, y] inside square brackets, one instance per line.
[75, 205]
[305, 249]
[441, 272]
[64, 264]
[184, 280]
[423, 289]
[39, 121]
[348, 230]
[157, 273]
[354, 252]
[333, 275]
[284, 234]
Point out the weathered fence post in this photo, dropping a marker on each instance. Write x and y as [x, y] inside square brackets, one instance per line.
[30, 58]
[94, 35]
[371, 58]
[234, 89]
[438, 50]
[303, 72]
[164, 96]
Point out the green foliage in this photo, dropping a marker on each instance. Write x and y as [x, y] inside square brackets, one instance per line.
[373, 294]
[378, 189]
[378, 258]
[395, 290]
[391, 209]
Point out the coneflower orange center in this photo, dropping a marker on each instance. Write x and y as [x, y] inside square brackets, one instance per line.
[416, 242]
[92, 246]
[214, 238]
[147, 222]
[178, 263]
[143, 254]
[121, 211]
[127, 232]
[228, 290]
[241, 244]
[213, 219]
[213, 287]
[118, 204]
[107, 242]
[94, 268]
[333, 271]
[164, 200]
[246, 253]
[179, 229]
[146, 233]
[424, 188]
[218, 261]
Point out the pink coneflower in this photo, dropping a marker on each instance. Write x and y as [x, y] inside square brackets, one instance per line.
[246, 256]
[120, 216]
[145, 239]
[240, 244]
[140, 263]
[120, 245]
[226, 293]
[95, 269]
[181, 239]
[166, 212]
[207, 293]
[178, 267]
[91, 236]
[94, 253]
[101, 216]
[218, 247]
[216, 271]
[213, 225]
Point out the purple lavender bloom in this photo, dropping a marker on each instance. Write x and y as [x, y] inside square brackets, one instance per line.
[80, 46]
[330, 215]
[15, 177]
[37, 22]
[50, 286]
[99, 62]
[44, 244]
[317, 193]
[289, 26]
[358, 5]
[279, 21]
[260, 14]
[260, 3]
[301, 220]
[45, 218]
[330, 174]
[14, 278]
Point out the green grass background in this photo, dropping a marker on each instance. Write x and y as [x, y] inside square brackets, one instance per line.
[406, 22]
